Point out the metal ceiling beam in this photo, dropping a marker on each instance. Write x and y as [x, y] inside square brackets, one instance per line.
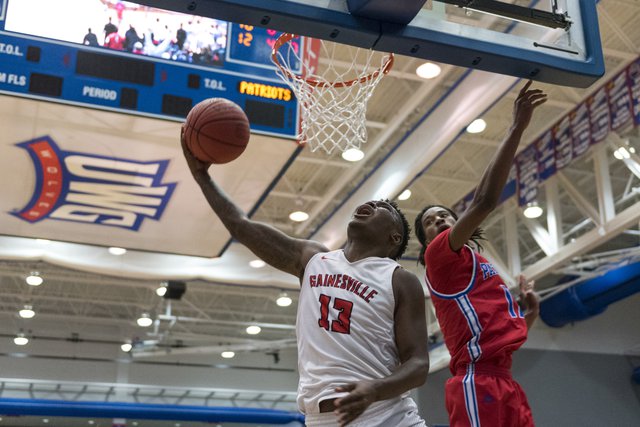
[588, 241]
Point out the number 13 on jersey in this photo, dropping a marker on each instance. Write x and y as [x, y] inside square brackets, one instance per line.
[342, 323]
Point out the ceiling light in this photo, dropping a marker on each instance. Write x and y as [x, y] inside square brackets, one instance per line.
[45, 420]
[117, 251]
[353, 155]
[91, 422]
[34, 279]
[532, 210]
[227, 354]
[284, 300]
[477, 126]
[20, 339]
[162, 290]
[632, 150]
[298, 216]
[145, 320]
[624, 152]
[126, 347]
[257, 263]
[617, 154]
[27, 312]
[253, 329]
[428, 70]
[405, 195]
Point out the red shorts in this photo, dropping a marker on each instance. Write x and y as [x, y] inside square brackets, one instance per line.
[486, 397]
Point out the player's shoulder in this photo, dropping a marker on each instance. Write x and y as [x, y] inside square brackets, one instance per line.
[406, 282]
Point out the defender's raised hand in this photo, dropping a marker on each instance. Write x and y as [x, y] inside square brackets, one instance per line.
[527, 101]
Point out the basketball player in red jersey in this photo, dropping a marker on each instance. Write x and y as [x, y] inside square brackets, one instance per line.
[361, 330]
[481, 323]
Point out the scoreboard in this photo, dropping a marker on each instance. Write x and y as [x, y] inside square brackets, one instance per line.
[161, 76]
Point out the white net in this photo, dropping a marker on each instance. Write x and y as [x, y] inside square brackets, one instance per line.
[333, 94]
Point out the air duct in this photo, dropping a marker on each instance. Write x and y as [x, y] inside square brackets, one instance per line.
[591, 297]
[64, 408]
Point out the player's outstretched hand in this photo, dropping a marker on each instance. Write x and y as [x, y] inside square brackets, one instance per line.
[198, 168]
[349, 407]
[529, 296]
[527, 101]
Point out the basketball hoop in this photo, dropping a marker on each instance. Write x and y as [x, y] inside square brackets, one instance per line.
[332, 97]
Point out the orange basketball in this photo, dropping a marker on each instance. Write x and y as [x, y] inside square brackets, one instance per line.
[216, 131]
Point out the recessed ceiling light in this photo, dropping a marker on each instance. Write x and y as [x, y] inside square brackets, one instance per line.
[117, 251]
[532, 210]
[284, 300]
[428, 70]
[161, 291]
[405, 195]
[34, 279]
[257, 263]
[27, 312]
[21, 339]
[145, 320]
[298, 216]
[353, 155]
[253, 329]
[126, 347]
[477, 126]
[227, 354]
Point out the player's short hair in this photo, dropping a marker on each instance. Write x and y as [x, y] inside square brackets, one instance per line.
[406, 230]
[477, 235]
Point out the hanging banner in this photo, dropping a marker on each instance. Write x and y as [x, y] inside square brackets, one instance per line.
[633, 78]
[580, 130]
[613, 107]
[620, 102]
[546, 156]
[463, 204]
[563, 143]
[599, 115]
[528, 178]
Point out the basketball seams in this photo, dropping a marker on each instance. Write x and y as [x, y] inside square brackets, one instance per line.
[217, 130]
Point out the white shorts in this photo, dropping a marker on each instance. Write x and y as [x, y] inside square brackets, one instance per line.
[398, 412]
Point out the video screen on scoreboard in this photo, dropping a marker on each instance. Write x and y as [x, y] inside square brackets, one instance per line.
[122, 26]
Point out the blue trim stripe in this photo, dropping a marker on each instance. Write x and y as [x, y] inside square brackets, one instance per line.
[465, 290]
[510, 303]
[470, 397]
[468, 311]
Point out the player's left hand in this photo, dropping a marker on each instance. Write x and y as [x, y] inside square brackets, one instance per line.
[529, 296]
[349, 407]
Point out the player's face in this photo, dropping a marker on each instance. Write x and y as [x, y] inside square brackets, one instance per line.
[377, 214]
[435, 221]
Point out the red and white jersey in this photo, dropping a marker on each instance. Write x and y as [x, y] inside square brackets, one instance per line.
[344, 325]
[479, 319]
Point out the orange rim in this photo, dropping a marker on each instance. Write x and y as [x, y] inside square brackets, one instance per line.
[287, 37]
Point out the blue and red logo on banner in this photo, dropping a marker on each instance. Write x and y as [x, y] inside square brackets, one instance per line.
[93, 189]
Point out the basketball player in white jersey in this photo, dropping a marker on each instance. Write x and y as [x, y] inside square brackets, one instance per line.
[361, 329]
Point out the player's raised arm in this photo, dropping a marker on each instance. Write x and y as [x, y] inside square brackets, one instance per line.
[495, 176]
[271, 245]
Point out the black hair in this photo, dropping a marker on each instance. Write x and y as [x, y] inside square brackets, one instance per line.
[406, 230]
[477, 235]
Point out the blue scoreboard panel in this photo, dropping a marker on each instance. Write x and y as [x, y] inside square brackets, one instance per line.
[149, 62]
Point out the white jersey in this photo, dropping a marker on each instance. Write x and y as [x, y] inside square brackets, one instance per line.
[344, 325]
